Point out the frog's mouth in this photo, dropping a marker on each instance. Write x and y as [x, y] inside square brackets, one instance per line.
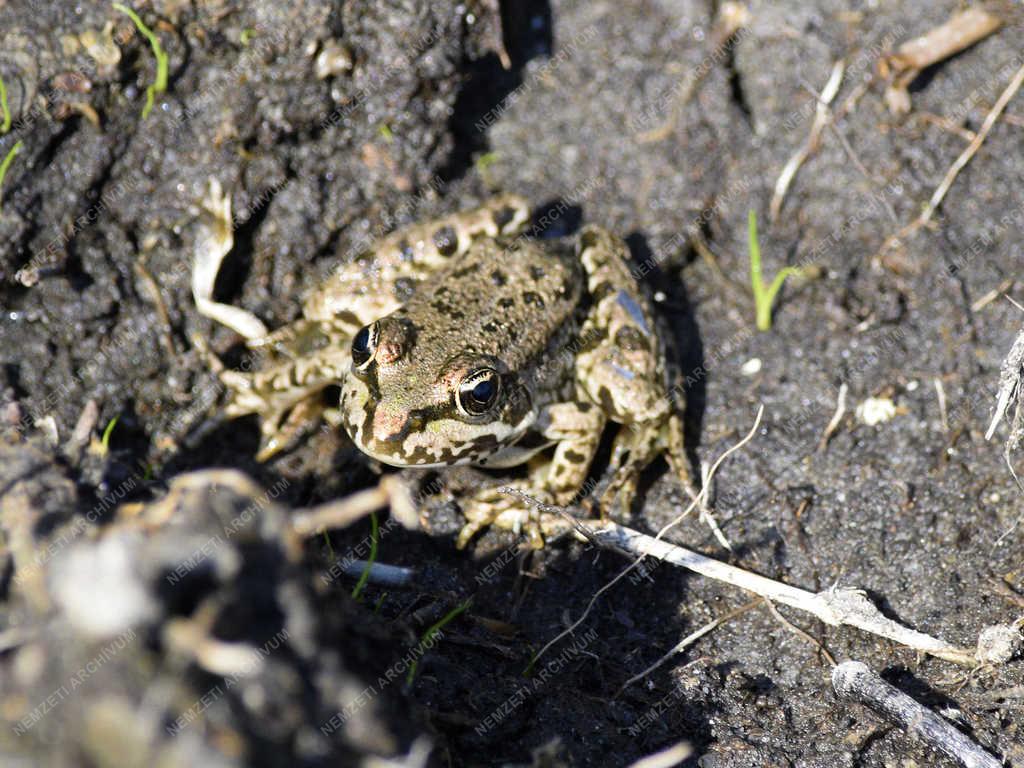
[401, 440]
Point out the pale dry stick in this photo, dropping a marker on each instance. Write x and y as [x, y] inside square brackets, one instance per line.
[591, 535]
[991, 296]
[689, 640]
[711, 473]
[836, 607]
[731, 18]
[958, 165]
[666, 758]
[821, 119]
[974, 146]
[940, 395]
[214, 240]
[947, 125]
[836, 419]
[389, 492]
[158, 302]
[855, 681]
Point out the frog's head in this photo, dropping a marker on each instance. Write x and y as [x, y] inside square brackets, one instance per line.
[408, 402]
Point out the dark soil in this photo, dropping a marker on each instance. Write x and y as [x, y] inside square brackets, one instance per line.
[132, 590]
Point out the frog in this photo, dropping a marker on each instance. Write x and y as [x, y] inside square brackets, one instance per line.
[464, 341]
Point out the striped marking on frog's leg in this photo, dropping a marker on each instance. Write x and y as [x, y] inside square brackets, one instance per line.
[301, 360]
[621, 364]
[577, 427]
[385, 275]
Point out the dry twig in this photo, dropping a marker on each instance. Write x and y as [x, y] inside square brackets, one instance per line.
[855, 681]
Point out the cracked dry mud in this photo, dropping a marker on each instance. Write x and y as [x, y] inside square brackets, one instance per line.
[150, 617]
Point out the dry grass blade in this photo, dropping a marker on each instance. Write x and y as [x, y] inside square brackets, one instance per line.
[821, 120]
[961, 31]
[958, 165]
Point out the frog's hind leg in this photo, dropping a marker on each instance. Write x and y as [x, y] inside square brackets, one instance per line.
[384, 274]
[622, 364]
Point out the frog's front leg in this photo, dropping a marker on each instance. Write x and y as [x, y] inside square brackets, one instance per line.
[576, 429]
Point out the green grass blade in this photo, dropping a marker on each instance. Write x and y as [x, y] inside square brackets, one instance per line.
[105, 440]
[374, 540]
[6, 125]
[160, 83]
[432, 632]
[7, 162]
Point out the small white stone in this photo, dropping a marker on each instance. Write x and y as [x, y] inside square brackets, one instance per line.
[912, 385]
[876, 410]
[751, 367]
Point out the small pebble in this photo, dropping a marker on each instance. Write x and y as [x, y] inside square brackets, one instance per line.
[876, 410]
[751, 367]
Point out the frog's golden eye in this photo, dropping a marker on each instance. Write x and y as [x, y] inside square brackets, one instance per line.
[364, 344]
[478, 392]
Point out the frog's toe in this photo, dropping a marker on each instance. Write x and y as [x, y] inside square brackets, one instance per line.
[620, 491]
[510, 512]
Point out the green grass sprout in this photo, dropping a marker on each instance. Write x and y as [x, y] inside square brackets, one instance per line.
[327, 542]
[486, 160]
[763, 295]
[385, 131]
[6, 125]
[246, 36]
[160, 83]
[105, 440]
[374, 540]
[432, 632]
[7, 162]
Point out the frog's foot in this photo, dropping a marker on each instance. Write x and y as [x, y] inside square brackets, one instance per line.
[558, 481]
[282, 435]
[515, 507]
[635, 447]
[285, 412]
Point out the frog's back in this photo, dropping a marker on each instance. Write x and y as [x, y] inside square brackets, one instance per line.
[508, 299]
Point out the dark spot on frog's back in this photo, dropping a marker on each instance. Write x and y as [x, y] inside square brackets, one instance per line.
[499, 278]
[506, 302]
[587, 240]
[404, 288]
[533, 300]
[446, 241]
[347, 317]
[503, 216]
[536, 272]
[405, 251]
[630, 339]
[574, 457]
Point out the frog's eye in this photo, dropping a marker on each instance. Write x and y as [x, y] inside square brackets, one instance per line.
[364, 344]
[478, 392]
